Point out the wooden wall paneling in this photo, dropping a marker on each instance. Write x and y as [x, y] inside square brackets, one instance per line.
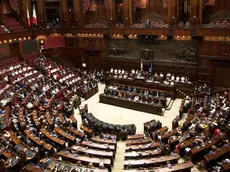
[210, 48]
[110, 12]
[200, 14]
[41, 11]
[78, 12]
[69, 41]
[194, 13]
[64, 13]
[14, 49]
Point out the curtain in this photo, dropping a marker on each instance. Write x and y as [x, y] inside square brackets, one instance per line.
[14, 4]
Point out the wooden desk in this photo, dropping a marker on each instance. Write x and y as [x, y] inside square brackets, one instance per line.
[12, 161]
[142, 154]
[35, 118]
[136, 136]
[105, 141]
[138, 142]
[98, 153]
[142, 147]
[61, 166]
[76, 132]
[169, 134]
[55, 139]
[7, 154]
[90, 92]
[220, 152]
[86, 130]
[175, 168]
[96, 161]
[64, 134]
[38, 141]
[21, 117]
[14, 138]
[98, 146]
[73, 119]
[150, 162]
[142, 83]
[225, 166]
[125, 103]
[49, 119]
[198, 151]
[33, 168]
[159, 132]
[62, 119]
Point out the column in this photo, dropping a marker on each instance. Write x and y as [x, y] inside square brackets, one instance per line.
[200, 12]
[41, 12]
[64, 13]
[128, 12]
[78, 12]
[111, 12]
[173, 12]
[194, 14]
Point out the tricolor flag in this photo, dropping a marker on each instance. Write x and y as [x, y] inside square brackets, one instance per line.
[151, 67]
[141, 65]
[34, 16]
[28, 15]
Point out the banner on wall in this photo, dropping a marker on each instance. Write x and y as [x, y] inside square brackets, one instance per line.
[4, 50]
[29, 46]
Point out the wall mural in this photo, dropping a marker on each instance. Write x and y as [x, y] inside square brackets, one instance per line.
[165, 50]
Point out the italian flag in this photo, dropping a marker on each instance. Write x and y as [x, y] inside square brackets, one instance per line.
[28, 15]
[34, 15]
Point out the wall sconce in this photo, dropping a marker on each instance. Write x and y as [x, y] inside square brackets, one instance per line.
[10, 40]
[19, 39]
[5, 41]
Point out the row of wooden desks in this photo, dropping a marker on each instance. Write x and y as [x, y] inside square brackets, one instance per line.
[52, 163]
[142, 154]
[167, 135]
[142, 147]
[136, 136]
[76, 132]
[64, 134]
[94, 152]
[98, 145]
[49, 119]
[85, 159]
[150, 162]
[220, 152]
[37, 140]
[51, 137]
[126, 103]
[175, 168]
[35, 118]
[198, 152]
[104, 141]
[138, 141]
